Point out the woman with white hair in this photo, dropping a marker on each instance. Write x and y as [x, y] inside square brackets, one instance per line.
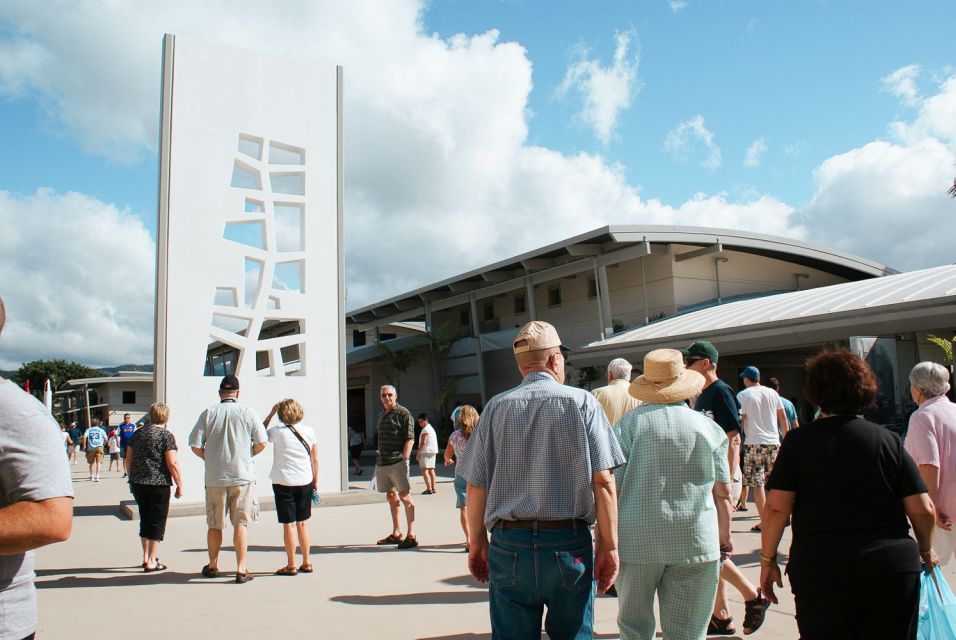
[931, 442]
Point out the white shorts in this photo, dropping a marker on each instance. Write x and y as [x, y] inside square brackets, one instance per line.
[427, 460]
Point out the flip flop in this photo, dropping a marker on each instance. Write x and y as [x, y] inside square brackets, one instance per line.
[390, 539]
[209, 572]
[306, 568]
[755, 529]
[159, 567]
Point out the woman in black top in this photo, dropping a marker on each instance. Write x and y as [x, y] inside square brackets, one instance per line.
[152, 466]
[853, 568]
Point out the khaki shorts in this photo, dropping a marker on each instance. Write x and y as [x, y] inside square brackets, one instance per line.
[758, 463]
[239, 500]
[427, 460]
[393, 477]
[96, 455]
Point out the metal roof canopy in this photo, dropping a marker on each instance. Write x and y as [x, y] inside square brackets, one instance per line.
[604, 246]
[907, 302]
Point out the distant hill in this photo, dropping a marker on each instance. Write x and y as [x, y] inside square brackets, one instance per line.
[146, 368]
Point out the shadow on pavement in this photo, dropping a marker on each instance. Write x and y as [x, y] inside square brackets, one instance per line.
[431, 597]
[487, 636]
[343, 548]
[466, 580]
[98, 510]
[132, 579]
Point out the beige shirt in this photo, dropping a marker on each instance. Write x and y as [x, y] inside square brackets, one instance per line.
[616, 400]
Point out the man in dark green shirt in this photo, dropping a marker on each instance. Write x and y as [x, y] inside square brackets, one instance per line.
[396, 435]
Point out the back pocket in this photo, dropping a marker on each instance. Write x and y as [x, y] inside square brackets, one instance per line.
[575, 568]
[502, 568]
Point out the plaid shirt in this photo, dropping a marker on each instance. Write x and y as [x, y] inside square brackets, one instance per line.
[395, 428]
[534, 450]
[666, 511]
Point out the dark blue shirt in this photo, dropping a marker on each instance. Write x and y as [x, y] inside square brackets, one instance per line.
[126, 432]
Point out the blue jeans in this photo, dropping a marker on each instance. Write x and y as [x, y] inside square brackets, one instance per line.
[530, 569]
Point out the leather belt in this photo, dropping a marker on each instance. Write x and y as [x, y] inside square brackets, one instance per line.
[544, 524]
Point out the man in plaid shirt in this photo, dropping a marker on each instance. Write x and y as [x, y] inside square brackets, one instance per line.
[539, 474]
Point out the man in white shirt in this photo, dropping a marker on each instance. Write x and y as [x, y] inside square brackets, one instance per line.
[761, 411]
[427, 453]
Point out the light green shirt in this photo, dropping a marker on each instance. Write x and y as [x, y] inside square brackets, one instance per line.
[666, 511]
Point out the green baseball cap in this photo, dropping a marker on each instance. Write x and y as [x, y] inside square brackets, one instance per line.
[701, 349]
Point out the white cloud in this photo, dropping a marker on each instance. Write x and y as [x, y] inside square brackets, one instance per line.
[77, 280]
[902, 84]
[692, 138]
[755, 152]
[606, 91]
[887, 199]
[677, 5]
[796, 149]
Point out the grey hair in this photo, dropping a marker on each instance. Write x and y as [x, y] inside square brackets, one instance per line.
[619, 369]
[388, 386]
[930, 378]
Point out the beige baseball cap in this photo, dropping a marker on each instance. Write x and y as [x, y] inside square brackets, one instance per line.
[536, 335]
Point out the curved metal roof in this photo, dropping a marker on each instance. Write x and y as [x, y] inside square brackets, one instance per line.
[913, 301]
[611, 244]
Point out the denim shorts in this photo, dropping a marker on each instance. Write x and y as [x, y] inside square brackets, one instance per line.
[461, 489]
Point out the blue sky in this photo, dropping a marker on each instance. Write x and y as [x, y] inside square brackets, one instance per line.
[832, 122]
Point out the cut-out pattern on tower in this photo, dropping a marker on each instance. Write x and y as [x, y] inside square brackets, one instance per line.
[260, 314]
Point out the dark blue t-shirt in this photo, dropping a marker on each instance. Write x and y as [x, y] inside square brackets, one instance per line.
[126, 432]
[720, 404]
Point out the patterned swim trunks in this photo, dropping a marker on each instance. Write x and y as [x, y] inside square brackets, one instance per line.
[758, 463]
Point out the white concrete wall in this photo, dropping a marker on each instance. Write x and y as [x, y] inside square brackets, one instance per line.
[247, 137]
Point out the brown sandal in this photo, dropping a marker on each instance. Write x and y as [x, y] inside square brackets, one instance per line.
[286, 571]
[306, 568]
[390, 539]
[755, 611]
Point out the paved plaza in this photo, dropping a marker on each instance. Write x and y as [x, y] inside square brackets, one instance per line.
[92, 585]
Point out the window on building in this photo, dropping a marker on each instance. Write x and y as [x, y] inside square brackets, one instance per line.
[488, 311]
[129, 397]
[554, 295]
[520, 305]
[592, 288]
[382, 337]
[358, 338]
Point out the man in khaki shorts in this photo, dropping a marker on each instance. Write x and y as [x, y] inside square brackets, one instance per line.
[226, 436]
[396, 435]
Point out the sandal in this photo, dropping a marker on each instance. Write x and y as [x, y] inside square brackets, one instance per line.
[755, 611]
[306, 568]
[159, 567]
[210, 572]
[755, 529]
[287, 571]
[718, 627]
[741, 506]
[390, 539]
[410, 542]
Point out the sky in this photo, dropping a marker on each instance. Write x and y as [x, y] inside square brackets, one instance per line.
[478, 129]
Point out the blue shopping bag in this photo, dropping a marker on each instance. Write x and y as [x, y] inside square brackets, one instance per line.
[937, 608]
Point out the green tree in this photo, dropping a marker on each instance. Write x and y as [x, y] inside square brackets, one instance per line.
[944, 344]
[58, 371]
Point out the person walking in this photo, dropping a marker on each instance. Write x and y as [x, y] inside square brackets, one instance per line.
[396, 435]
[455, 452]
[356, 445]
[614, 398]
[851, 486]
[674, 504]
[718, 402]
[152, 467]
[295, 473]
[93, 442]
[227, 436]
[126, 431]
[75, 435]
[762, 418]
[427, 453]
[113, 448]
[931, 441]
[540, 514]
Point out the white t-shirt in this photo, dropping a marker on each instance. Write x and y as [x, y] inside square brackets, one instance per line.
[114, 444]
[431, 447]
[759, 405]
[291, 465]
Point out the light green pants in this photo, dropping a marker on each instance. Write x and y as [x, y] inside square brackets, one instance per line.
[685, 592]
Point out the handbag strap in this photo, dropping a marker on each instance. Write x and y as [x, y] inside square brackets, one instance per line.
[305, 444]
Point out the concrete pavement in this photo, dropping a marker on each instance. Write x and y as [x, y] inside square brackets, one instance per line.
[92, 585]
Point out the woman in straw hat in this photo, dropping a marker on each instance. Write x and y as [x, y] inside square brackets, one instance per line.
[673, 504]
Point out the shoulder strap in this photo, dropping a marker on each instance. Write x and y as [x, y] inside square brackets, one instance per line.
[305, 444]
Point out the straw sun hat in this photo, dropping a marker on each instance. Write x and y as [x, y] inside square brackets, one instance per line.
[666, 379]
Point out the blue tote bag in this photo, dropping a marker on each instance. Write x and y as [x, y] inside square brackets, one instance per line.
[937, 608]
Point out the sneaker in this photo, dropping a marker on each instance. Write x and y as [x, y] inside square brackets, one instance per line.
[408, 543]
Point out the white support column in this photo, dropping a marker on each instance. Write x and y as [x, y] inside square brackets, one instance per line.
[473, 303]
[529, 298]
[647, 316]
[604, 300]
